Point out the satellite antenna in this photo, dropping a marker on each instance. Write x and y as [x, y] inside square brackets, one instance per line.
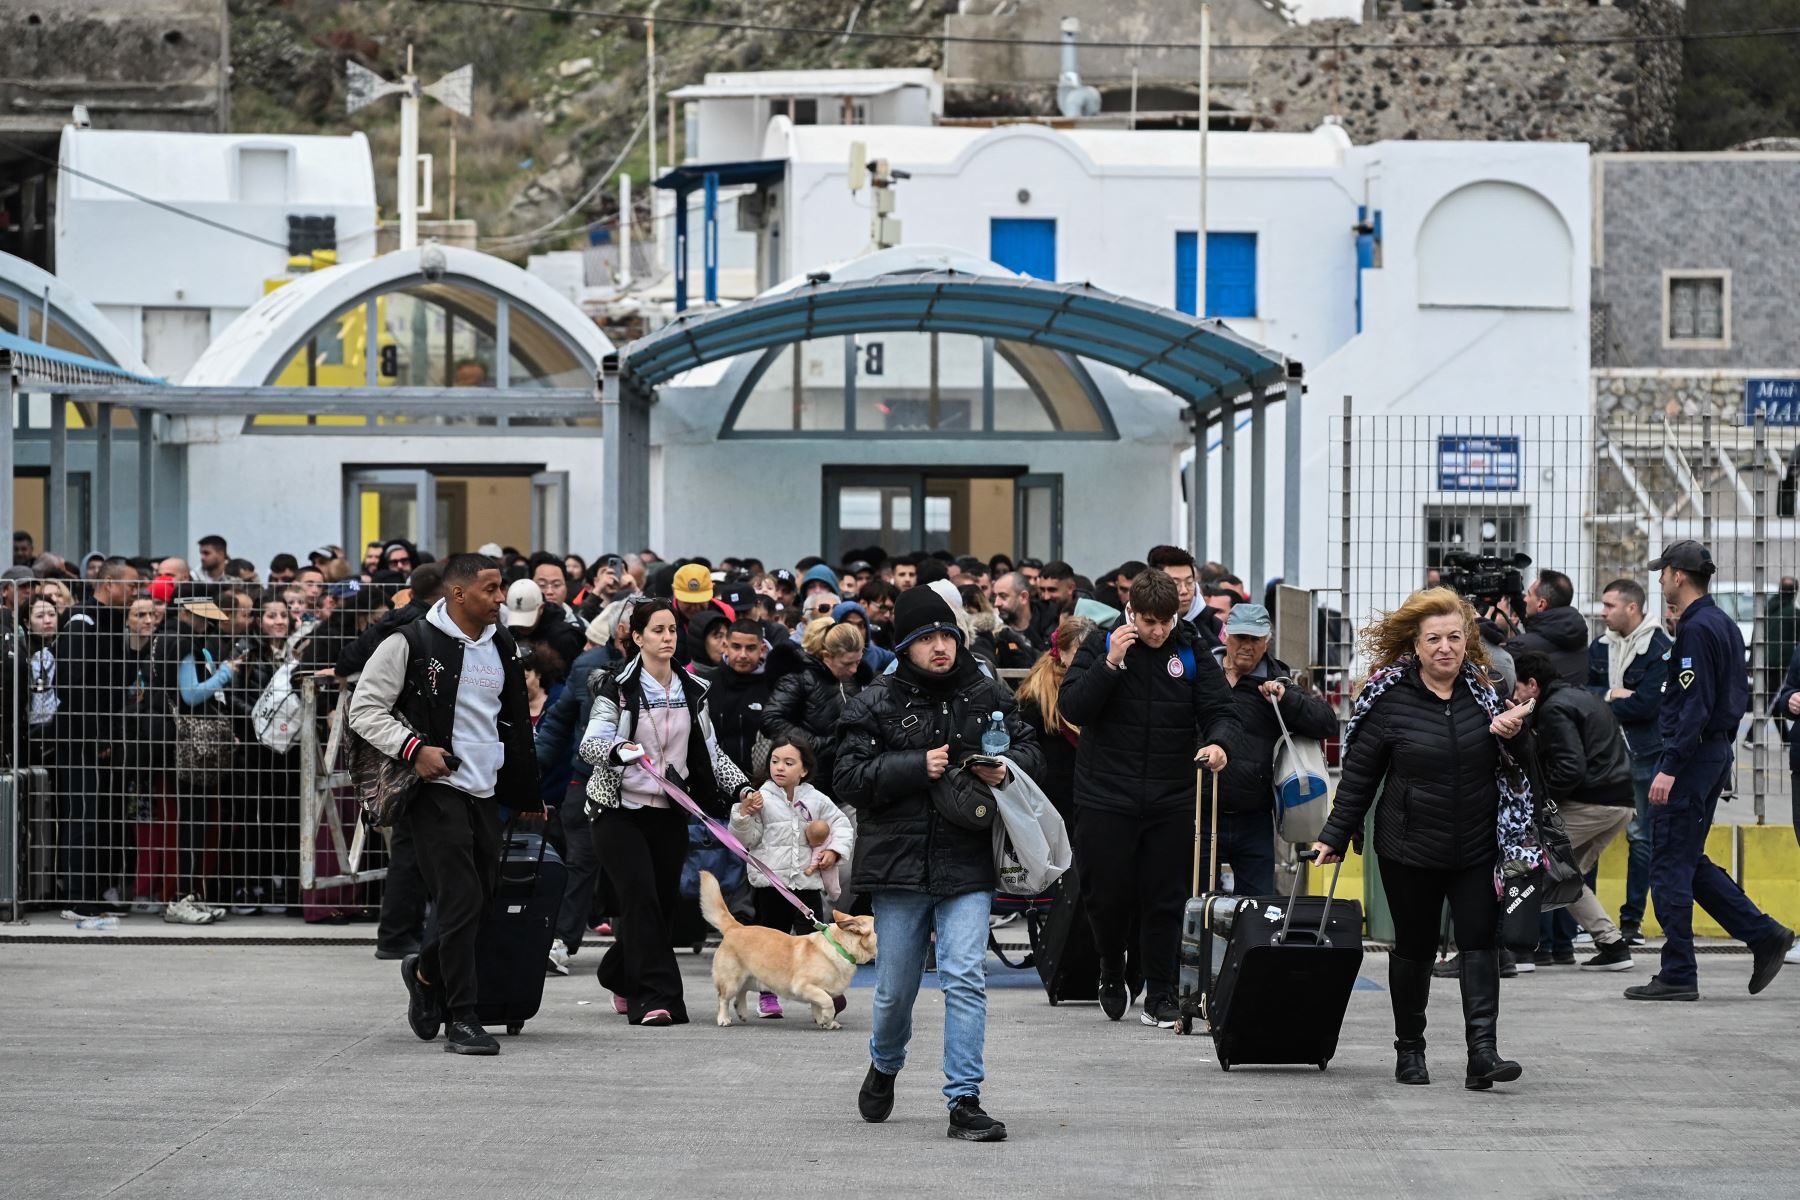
[454, 91]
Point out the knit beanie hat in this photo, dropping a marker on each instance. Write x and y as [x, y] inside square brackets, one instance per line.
[920, 611]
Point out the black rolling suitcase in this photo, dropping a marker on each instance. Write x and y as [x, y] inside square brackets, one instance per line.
[513, 946]
[1285, 978]
[1062, 945]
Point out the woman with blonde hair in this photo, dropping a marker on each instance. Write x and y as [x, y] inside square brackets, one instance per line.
[1428, 733]
[808, 701]
[1040, 709]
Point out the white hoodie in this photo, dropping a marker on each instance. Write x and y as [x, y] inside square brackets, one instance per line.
[777, 834]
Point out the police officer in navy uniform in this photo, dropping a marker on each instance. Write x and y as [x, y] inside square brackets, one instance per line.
[1704, 697]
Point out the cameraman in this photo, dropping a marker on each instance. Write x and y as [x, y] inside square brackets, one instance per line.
[1550, 625]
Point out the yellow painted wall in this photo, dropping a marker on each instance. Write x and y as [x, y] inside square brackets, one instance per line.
[1770, 874]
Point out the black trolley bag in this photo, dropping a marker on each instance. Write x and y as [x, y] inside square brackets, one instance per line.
[1205, 921]
[512, 947]
[1285, 981]
[1062, 944]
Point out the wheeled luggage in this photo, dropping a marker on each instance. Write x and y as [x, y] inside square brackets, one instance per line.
[1289, 966]
[1062, 944]
[1205, 921]
[513, 945]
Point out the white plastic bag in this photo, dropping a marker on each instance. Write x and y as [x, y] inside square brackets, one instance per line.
[1302, 788]
[1031, 844]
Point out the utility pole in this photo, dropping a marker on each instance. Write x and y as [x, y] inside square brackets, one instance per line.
[650, 84]
[455, 91]
[1205, 109]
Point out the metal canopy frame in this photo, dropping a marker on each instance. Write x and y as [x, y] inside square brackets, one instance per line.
[1202, 362]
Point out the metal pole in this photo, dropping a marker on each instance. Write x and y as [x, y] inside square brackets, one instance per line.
[650, 100]
[625, 231]
[709, 240]
[1228, 485]
[309, 781]
[56, 505]
[1290, 484]
[1761, 723]
[1205, 109]
[612, 457]
[1344, 543]
[406, 198]
[1259, 480]
[1706, 460]
[9, 391]
[103, 471]
[1197, 494]
[146, 423]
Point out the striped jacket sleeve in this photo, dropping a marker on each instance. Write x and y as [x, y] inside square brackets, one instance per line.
[372, 703]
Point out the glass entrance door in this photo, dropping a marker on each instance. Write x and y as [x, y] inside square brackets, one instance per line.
[979, 511]
[381, 505]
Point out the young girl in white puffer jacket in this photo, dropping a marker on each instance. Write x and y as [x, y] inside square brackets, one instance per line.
[773, 825]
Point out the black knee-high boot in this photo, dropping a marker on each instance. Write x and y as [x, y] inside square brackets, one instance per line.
[1481, 1019]
[1409, 985]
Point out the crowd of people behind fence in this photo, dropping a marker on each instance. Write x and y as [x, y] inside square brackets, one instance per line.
[156, 711]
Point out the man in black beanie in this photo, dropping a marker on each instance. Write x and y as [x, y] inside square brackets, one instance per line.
[898, 737]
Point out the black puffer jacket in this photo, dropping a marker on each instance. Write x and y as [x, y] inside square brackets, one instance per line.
[810, 702]
[1433, 761]
[1248, 784]
[1058, 779]
[740, 705]
[1581, 754]
[1562, 633]
[1140, 726]
[901, 842]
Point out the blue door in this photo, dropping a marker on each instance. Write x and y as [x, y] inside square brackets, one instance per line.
[1024, 244]
[1230, 274]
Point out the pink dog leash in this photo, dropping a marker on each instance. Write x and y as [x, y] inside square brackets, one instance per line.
[730, 841]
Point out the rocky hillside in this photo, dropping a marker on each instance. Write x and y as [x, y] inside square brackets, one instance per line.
[557, 93]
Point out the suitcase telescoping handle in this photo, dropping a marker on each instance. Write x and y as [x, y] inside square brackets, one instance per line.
[1294, 899]
[1212, 876]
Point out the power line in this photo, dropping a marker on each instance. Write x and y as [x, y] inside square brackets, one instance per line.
[538, 234]
[1548, 41]
[141, 198]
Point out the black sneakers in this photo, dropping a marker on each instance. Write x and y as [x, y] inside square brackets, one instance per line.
[1770, 953]
[970, 1123]
[876, 1099]
[1115, 1000]
[1613, 956]
[422, 1011]
[465, 1038]
[1161, 1012]
[1656, 989]
[1632, 934]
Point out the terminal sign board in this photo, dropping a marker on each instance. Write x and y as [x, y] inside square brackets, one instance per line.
[1478, 464]
[1776, 401]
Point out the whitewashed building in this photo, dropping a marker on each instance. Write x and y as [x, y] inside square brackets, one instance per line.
[172, 284]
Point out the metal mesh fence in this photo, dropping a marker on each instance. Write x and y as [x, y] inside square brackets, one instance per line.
[1594, 499]
[156, 751]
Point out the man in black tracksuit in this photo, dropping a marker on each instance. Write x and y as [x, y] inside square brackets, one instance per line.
[1146, 696]
[739, 697]
[446, 694]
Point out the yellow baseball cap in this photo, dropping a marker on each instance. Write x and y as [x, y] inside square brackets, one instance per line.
[693, 584]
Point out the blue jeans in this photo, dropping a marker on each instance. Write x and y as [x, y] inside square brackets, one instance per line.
[903, 925]
[1247, 842]
[1681, 875]
[1637, 837]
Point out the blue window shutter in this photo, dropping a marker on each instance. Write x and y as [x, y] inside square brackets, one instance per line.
[1230, 274]
[1184, 272]
[1026, 245]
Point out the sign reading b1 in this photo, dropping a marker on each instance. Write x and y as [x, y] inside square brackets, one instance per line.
[1777, 401]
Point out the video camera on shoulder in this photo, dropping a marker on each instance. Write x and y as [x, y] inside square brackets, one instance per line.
[1487, 579]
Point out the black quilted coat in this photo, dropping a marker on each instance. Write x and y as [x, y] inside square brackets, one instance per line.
[902, 844]
[1433, 761]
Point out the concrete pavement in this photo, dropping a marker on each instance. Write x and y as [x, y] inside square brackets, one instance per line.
[289, 1071]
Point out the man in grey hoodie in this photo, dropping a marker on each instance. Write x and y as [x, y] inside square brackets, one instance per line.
[446, 694]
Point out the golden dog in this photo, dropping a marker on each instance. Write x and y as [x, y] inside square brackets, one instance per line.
[805, 968]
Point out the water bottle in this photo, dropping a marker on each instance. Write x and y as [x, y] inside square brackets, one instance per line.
[995, 741]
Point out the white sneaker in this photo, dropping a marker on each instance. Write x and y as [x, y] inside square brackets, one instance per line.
[1792, 956]
[1525, 965]
[1584, 938]
[188, 911]
[559, 958]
